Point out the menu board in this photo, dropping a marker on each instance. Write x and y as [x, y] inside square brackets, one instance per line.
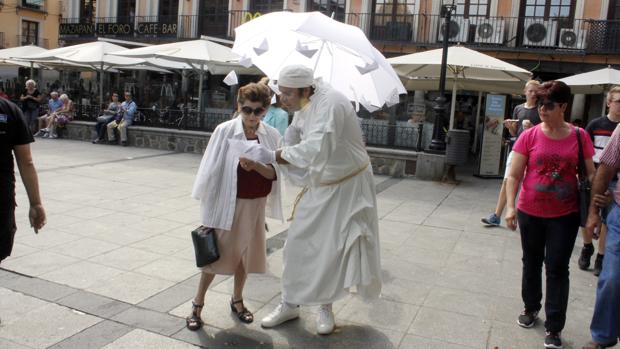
[491, 150]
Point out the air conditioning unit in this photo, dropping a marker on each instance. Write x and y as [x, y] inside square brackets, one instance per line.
[459, 28]
[572, 38]
[489, 30]
[539, 32]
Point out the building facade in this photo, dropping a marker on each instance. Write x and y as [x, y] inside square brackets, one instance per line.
[24, 22]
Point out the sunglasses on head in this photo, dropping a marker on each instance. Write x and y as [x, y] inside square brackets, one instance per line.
[549, 105]
[247, 110]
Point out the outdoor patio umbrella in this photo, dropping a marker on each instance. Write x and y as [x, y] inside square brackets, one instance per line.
[594, 82]
[200, 55]
[8, 53]
[96, 55]
[339, 53]
[471, 67]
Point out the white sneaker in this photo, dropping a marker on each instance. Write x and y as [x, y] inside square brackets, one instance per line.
[325, 321]
[53, 135]
[282, 313]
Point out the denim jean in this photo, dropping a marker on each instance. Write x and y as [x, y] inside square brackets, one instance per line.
[605, 326]
[102, 122]
[31, 117]
[548, 240]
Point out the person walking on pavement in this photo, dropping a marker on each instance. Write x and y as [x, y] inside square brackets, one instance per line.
[600, 130]
[524, 116]
[333, 240]
[15, 138]
[31, 100]
[605, 325]
[234, 192]
[546, 158]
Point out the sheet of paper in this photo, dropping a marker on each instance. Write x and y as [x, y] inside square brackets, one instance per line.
[236, 147]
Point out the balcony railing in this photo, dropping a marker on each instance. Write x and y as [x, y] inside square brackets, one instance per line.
[32, 40]
[498, 33]
[37, 5]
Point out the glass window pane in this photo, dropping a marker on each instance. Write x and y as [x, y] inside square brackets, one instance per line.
[531, 2]
[565, 12]
[482, 10]
[529, 11]
[554, 11]
[555, 2]
[540, 12]
[460, 9]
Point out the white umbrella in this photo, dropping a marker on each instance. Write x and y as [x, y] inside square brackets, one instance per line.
[339, 53]
[201, 55]
[594, 82]
[96, 55]
[7, 54]
[472, 67]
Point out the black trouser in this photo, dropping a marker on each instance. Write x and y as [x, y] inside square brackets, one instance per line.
[548, 240]
[7, 231]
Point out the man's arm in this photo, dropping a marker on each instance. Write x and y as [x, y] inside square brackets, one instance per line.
[31, 182]
[603, 176]
[279, 158]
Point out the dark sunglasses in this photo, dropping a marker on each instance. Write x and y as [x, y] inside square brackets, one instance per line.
[549, 105]
[247, 110]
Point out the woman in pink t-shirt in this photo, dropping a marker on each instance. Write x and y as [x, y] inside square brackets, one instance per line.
[546, 159]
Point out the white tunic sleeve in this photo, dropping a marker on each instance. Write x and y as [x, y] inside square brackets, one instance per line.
[323, 127]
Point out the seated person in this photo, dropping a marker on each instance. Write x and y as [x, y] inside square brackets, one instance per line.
[61, 117]
[53, 105]
[108, 115]
[128, 110]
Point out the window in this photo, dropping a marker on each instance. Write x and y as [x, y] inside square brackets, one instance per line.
[614, 10]
[126, 8]
[168, 8]
[550, 8]
[266, 6]
[30, 33]
[472, 8]
[327, 7]
[393, 20]
[87, 10]
[36, 4]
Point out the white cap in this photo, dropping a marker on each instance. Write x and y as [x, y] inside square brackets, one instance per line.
[296, 76]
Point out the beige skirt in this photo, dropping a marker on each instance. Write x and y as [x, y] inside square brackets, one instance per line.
[245, 242]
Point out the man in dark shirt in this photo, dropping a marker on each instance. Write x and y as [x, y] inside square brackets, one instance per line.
[600, 130]
[15, 137]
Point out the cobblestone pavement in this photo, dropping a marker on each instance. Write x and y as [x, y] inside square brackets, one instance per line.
[114, 266]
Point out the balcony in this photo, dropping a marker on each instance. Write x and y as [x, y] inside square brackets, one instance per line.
[558, 35]
[23, 40]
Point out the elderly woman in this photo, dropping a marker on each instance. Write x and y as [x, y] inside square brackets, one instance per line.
[546, 159]
[31, 99]
[61, 117]
[234, 192]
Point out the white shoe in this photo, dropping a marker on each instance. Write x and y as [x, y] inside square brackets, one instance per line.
[282, 313]
[53, 135]
[325, 321]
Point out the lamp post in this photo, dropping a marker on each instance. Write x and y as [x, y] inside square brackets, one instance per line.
[438, 145]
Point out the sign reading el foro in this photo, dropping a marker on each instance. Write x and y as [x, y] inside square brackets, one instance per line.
[121, 29]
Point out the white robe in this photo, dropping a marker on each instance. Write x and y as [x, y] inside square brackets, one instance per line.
[216, 181]
[333, 240]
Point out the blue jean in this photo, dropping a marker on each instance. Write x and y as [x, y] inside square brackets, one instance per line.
[605, 326]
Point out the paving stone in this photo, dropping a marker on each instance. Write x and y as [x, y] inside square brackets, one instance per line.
[417, 342]
[130, 287]
[126, 258]
[37, 263]
[94, 304]
[14, 305]
[379, 313]
[451, 327]
[7, 344]
[82, 274]
[143, 339]
[94, 337]
[462, 302]
[258, 287]
[39, 288]
[150, 320]
[170, 268]
[84, 248]
[169, 298]
[53, 323]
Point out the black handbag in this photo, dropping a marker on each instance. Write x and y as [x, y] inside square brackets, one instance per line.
[584, 187]
[205, 246]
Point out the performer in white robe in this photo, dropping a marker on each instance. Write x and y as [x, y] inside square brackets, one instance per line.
[333, 241]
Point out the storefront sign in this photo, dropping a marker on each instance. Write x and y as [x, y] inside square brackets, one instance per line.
[491, 150]
[119, 29]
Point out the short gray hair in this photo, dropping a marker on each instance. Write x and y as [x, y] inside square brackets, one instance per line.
[53, 93]
[64, 97]
[31, 82]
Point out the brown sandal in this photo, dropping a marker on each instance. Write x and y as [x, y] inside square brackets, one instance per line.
[244, 315]
[194, 322]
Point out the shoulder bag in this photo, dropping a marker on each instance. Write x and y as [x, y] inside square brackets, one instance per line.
[584, 187]
[205, 246]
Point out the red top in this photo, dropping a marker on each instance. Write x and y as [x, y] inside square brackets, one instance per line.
[251, 185]
[549, 188]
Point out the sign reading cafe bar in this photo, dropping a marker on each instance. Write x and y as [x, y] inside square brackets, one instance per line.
[123, 29]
